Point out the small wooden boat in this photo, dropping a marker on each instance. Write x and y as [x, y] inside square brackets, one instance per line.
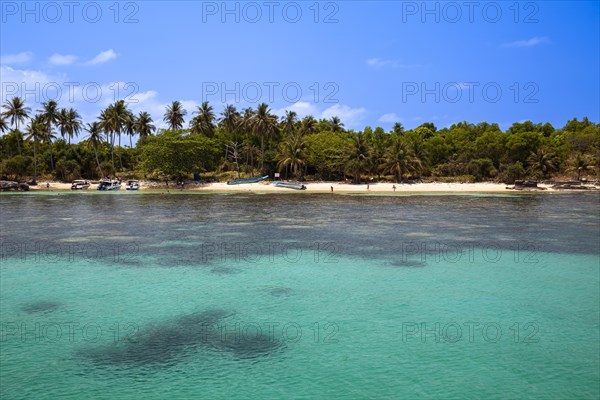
[249, 180]
[132, 184]
[80, 185]
[109, 184]
[290, 185]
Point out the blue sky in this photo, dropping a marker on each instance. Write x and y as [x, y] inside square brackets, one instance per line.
[370, 63]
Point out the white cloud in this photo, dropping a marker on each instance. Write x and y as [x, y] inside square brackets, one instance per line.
[19, 58]
[302, 108]
[59, 59]
[103, 57]
[389, 118]
[527, 43]
[379, 63]
[351, 117]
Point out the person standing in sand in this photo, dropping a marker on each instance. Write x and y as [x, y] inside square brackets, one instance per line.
[394, 187]
[331, 189]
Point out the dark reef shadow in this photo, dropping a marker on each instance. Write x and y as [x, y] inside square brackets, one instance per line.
[40, 307]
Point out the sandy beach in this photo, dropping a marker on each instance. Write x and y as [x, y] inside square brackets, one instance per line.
[316, 187]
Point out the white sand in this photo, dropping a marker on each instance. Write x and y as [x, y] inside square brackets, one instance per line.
[316, 187]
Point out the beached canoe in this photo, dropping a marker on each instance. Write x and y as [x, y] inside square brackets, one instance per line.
[290, 185]
[249, 180]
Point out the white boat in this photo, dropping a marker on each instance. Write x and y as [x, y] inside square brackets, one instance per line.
[80, 185]
[132, 184]
[109, 184]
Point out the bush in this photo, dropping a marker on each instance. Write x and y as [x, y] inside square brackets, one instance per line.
[16, 167]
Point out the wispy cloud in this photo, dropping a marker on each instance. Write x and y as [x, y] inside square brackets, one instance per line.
[534, 41]
[19, 58]
[389, 118]
[59, 59]
[379, 63]
[103, 57]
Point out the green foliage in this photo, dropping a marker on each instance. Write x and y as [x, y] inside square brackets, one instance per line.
[326, 153]
[16, 167]
[174, 156]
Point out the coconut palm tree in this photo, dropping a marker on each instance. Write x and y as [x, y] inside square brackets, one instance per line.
[50, 115]
[264, 126]
[399, 159]
[17, 112]
[129, 128]
[308, 125]
[73, 123]
[143, 125]
[580, 164]
[230, 120]
[542, 162]
[398, 129]
[359, 158]
[291, 155]
[36, 131]
[63, 123]
[204, 122]
[112, 121]
[174, 115]
[3, 125]
[289, 122]
[94, 139]
[336, 124]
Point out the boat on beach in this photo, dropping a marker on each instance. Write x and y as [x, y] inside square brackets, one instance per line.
[248, 180]
[109, 184]
[80, 185]
[290, 185]
[132, 184]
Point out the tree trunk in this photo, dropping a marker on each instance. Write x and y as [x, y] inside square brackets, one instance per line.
[98, 162]
[34, 160]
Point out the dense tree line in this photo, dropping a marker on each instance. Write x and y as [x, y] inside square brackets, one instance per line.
[235, 143]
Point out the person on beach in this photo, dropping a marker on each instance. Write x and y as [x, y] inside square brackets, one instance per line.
[394, 187]
[368, 186]
[331, 189]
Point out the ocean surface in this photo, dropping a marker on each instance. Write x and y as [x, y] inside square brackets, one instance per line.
[139, 295]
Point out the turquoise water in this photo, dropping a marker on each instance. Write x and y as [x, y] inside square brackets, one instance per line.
[313, 296]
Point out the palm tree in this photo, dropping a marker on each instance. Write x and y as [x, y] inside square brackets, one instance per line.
[289, 122]
[399, 159]
[112, 121]
[17, 112]
[398, 129]
[580, 164]
[143, 125]
[336, 124]
[291, 155]
[36, 131]
[73, 123]
[264, 126]
[63, 123]
[129, 128]
[230, 120]
[174, 115]
[542, 162]
[50, 115]
[3, 124]
[308, 125]
[204, 122]
[94, 139]
[359, 157]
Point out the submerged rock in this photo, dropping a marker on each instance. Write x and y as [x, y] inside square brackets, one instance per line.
[166, 343]
[40, 307]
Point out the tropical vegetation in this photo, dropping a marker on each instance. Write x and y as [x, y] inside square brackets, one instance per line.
[54, 143]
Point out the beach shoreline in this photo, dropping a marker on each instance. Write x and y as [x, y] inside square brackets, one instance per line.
[323, 187]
